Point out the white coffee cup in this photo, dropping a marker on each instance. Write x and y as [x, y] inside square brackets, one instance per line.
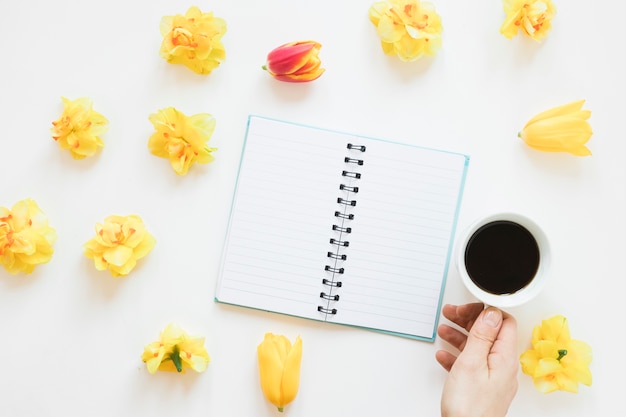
[519, 296]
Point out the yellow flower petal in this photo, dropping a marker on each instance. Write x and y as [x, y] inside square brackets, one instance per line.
[193, 353]
[546, 385]
[563, 110]
[117, 255]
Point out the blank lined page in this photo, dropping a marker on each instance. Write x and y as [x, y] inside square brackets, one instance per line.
[321, 231]
[401, 238]
[281, 218]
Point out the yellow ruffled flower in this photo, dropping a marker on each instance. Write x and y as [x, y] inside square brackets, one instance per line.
[279, 367]
[556, 361]
[182, 139]
[25, 237]
[119, 243]
[561, 129]
[408, 29]
[79, 128]
[176, 351]
[532, 17]
[193, 40]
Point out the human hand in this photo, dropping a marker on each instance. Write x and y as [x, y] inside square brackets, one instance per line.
[482, 380]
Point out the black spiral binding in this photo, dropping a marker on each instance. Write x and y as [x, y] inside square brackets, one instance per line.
[347, 201]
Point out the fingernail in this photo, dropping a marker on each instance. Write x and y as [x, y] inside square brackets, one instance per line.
[492, 317]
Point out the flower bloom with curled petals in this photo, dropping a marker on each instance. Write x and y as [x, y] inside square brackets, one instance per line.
[176, 351]
[556, 361]
[532, 17]
[193, 40]
[295, 62]
[408, 29]
[25, 237]
[561, 129]
[279, 367]
[120, 241]
[79, 128]
[182, 139]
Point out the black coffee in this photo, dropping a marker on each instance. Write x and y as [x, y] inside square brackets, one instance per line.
[502, 257]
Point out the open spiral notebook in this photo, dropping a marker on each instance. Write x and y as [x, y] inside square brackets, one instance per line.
[341, 228]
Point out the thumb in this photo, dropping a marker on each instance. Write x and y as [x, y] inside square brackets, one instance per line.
[484, 332]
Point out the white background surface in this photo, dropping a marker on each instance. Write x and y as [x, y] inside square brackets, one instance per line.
[72, 337]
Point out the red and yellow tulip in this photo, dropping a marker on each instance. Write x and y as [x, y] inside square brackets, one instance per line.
[295, 62]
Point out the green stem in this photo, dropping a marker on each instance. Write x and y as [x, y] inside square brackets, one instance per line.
[280, 409]
[175, 356]
[562, 352]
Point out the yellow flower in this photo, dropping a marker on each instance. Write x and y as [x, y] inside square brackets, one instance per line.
[182, 139]
[561, 129]
[120, 241]
[407, 28]
[193, 40]
[25, 237]
[79, 128]
[532, 17]
[556, 361]
[176, 351]
[279, 367]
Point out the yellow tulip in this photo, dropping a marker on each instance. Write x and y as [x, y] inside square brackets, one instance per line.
[175, 351]
[79, 128]
[561, 129]
[193, 40]
[556, 361]
[407, 29]
[25, 237]
[532, 17]
[279, 367]
[119, 243]
[182, 139]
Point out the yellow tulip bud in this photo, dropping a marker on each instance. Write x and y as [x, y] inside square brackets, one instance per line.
[279, 367]
[561, 129]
